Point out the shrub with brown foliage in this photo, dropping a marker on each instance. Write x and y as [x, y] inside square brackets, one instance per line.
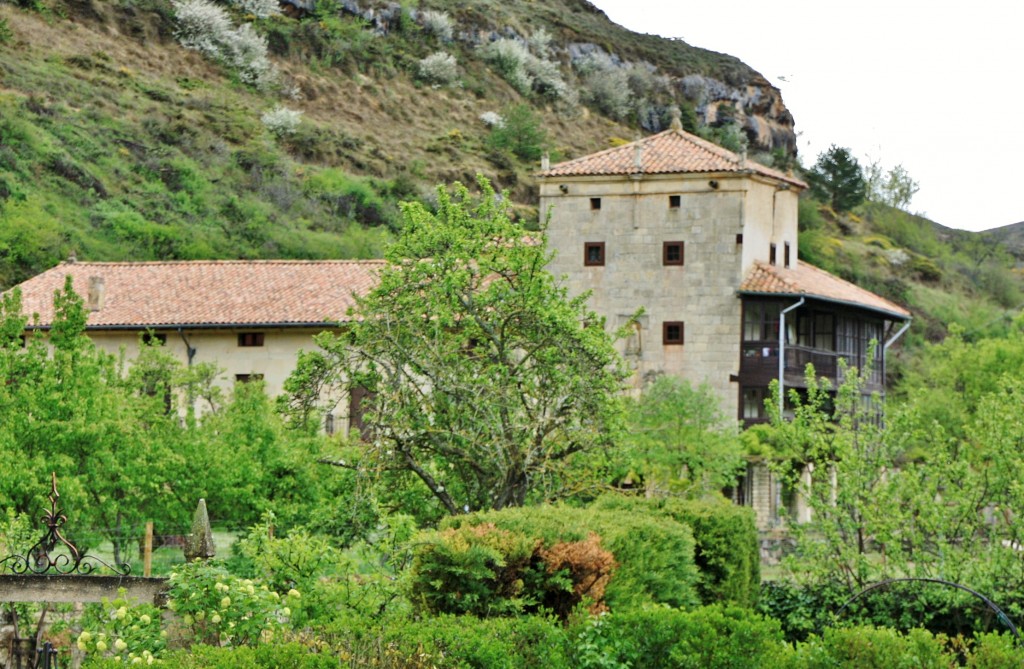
[589, 568]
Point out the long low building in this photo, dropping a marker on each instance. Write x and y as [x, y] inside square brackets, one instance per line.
[249, 317]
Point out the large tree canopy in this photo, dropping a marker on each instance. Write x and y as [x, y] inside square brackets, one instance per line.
[485, 378]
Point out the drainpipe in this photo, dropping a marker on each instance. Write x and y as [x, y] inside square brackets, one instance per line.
[885, 350]
[782, 352]
[191, 352]
[188, 347]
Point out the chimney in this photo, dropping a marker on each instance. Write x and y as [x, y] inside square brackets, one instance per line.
[97, 291]
[676, 115]
[638, 157]
[545, 162]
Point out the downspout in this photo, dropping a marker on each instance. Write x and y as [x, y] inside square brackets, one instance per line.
[782, 352]
[885, 350]
[190, 351]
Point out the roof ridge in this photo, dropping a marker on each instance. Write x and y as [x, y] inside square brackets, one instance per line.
[229, 261]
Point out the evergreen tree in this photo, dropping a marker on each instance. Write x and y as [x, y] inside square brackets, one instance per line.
[837, 179]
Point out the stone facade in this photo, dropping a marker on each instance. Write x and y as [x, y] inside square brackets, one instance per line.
[724, 223]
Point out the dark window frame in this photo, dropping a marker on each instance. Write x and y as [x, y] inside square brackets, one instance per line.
[595, 204]
[773, 254]
[675, 201]
[251, 339]
[248, 378]
[148, 338]
[739, 239]
[666, 248]
[597, 262]
[785, 254]
[670, 338]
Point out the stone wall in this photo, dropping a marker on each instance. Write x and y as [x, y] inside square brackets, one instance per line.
[635, 217]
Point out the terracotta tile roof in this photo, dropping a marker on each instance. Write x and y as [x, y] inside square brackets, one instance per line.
[668, 152]
[804, 279]
[209, 293]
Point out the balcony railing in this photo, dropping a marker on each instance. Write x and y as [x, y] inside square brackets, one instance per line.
[764, 356]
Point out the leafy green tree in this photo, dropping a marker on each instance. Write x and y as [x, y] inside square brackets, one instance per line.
[65, 408]
[894, 187]
[837, 179]
[680, 440]
[486, 379]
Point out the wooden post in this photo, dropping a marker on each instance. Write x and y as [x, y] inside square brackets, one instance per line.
[147, 555]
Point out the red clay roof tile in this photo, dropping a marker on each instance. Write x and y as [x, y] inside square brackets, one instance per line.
[804, 279]
[668, 152]
[209, 293]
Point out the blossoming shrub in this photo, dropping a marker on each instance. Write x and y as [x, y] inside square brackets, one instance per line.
[219, 609]
[206, 28]
[124, 631]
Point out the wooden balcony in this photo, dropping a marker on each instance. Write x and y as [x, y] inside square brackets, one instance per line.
[759, 365]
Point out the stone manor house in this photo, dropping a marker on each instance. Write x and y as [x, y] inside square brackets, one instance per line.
[706, 242]
[703, 239]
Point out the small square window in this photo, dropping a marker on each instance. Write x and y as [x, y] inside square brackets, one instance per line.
[772, 255]
[595, 203]
[593, 254]
[672, 253]
[739, 239]
[672, 332]
[248, 378]
[785, 256]
[250, 339]
[674, 201]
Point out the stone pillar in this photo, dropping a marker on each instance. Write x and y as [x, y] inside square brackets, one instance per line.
[200, 543]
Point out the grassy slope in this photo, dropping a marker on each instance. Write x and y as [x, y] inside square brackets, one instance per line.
[115, 143]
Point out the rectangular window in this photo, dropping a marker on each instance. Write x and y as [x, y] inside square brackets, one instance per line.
[359, 400]
[593, 254]
[153, 339]
[816, 330]
[672, 253]
[753, 403]
[739, 239]
[761, 321]
[785, 257]
[674, 201]
[595, 204]
[250, 339]
[248, 378]
[672, 332]
[771, 255]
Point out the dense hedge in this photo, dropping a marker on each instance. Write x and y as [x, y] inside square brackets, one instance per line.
[654, 553]
[726, 551]
[714, 637]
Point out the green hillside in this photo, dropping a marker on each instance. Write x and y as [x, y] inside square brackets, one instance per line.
[297, 137]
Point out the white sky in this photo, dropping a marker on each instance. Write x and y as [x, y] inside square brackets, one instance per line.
[935, 86]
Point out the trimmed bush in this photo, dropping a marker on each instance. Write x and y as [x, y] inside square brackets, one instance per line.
[873, 648]
[706, 638]
[654, 553]
[726, 547]
[465, 642]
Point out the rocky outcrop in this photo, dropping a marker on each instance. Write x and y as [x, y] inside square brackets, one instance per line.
[756, 106]
[750, 100]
